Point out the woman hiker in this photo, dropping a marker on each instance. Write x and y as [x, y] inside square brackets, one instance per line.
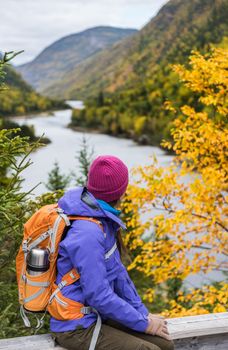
[115, 317]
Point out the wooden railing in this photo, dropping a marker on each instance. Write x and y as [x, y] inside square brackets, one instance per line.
[204, 332]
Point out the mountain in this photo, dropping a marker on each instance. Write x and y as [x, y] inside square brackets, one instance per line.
[20, 98]
[64, 55]
[15, 80]
[179, 27]
[127, 85]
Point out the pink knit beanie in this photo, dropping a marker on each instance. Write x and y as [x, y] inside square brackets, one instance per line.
[107, 178]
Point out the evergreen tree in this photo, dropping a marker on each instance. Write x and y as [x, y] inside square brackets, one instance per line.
[84, 157]
[56, 180]
[15, 209]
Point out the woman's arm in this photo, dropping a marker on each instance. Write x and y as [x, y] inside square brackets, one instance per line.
[86, 248]
[125, 288]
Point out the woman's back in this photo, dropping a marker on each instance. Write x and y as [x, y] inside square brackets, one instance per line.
[103, 290]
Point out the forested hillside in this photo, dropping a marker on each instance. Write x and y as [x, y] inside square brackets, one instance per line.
[20, 98]
[65, 54]
[128, 85]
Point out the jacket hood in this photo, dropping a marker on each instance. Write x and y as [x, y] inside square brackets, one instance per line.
[80, 202]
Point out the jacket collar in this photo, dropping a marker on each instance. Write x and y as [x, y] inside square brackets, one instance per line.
[91, 201]
[106, 206]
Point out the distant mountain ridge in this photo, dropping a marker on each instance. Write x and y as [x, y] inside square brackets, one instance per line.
[66, 53]
[179, 27]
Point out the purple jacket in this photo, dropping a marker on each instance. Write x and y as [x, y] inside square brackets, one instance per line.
[104, 284]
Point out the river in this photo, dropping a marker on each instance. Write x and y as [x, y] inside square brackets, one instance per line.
[64, 147]
[66, 143]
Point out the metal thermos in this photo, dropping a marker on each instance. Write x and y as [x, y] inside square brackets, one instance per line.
[38, 261]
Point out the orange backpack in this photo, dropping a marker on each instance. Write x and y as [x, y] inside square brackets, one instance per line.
[39, 292]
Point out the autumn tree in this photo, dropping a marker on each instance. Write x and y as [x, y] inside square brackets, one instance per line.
[182, 209]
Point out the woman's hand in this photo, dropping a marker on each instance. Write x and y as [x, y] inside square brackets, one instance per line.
[157, 326]
[156, 315]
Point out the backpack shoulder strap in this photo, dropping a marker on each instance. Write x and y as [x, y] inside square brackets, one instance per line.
[72, 276]
[85, 218]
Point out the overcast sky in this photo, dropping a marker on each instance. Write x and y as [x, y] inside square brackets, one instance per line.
[34, 24]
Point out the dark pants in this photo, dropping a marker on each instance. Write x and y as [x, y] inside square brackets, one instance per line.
[113, 336]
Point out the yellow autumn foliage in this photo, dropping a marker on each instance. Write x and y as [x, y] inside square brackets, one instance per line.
[183, 208]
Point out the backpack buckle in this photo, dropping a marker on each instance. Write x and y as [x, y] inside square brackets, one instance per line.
[62, 284]
[59, 210]
[86, 310]
[25, 246]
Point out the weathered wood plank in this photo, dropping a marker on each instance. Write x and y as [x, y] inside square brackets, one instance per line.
[33, 342]
[44, 342]
[204, 332]
[192, 326]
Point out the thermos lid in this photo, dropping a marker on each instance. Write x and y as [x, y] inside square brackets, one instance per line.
[38, 257]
